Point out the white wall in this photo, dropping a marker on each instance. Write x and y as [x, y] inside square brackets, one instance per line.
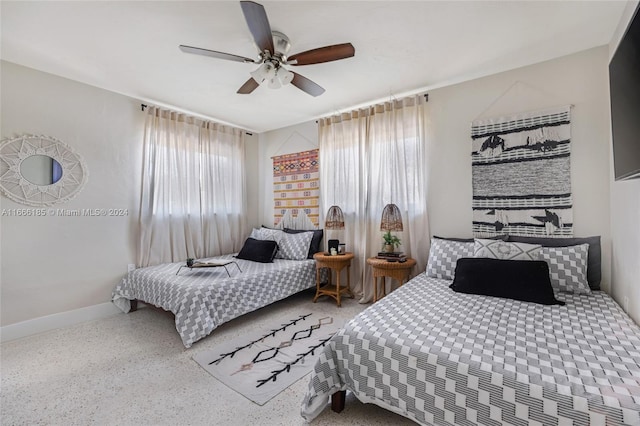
[625, 220]
[579, 79]
[288, 140]
[625, 230]
[56, 264]
[252, 182]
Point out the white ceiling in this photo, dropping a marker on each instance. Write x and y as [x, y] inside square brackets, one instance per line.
[401, 47]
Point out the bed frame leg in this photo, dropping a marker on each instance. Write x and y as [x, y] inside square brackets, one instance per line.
[134, 305]
[337, 401]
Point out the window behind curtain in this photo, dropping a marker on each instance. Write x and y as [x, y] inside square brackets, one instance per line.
[370, 158]
[193, 190]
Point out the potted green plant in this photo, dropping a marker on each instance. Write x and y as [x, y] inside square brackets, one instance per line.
[390, 242]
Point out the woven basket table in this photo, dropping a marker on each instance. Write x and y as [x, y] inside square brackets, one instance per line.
[383, 268]
[335, 263]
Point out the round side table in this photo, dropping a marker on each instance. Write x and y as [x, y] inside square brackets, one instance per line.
[382, 268]
[335, 264]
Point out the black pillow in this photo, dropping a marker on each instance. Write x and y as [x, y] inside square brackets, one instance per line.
[262, 251]
[316, 240]
[594, 273]
[526, 280]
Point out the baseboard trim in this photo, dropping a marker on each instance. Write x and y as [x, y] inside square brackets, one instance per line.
[55, 321]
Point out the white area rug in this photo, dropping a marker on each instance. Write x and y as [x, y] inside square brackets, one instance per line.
[260, 365]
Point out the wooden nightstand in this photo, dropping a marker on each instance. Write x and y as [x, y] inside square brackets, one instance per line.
[333, 263]
[382, 268]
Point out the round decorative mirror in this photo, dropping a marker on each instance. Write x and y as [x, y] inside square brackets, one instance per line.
[40, 170]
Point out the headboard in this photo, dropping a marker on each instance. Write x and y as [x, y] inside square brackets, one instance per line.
[301, 221]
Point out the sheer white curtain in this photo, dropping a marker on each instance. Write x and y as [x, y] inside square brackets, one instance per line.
[369, 158]
[193, 189]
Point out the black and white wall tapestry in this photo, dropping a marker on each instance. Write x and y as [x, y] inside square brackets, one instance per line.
[521, 174]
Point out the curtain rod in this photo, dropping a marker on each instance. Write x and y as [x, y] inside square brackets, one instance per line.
[143, 106]
[426, 98]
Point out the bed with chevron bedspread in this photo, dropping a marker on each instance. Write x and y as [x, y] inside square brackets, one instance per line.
[204, 298]
[439, 357]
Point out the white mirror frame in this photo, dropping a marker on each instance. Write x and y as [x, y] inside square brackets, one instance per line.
[16, 187]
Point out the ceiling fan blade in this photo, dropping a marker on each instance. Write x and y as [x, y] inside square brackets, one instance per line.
[258, 24]
[214, 54]
[306, 85]
[248, 87]
[323, 54]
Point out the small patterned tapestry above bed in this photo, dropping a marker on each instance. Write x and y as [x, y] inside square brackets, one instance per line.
[296, 186]
[521, 174]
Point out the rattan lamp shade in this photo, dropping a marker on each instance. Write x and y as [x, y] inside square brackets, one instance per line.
[335, 219]
[391, 218]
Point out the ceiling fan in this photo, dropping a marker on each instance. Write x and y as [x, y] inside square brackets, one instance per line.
[273, 49]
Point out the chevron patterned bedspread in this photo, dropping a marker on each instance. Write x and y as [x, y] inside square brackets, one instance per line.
[202, 299]
[445, 358]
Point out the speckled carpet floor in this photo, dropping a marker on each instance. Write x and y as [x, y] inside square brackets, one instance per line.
[133, 369]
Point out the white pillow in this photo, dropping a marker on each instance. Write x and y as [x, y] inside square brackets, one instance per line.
[498, 249]
[269, 234]
[294, 246]
[290, 246]
[255, 234]
[443, 256]
[568, 268]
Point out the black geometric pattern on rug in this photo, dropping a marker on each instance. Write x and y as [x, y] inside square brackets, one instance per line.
[272, 333]
[270, 353]
[301, 357]
[262, 362]
[521, 174]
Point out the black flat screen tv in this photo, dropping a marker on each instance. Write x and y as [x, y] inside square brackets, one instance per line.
[624, 84]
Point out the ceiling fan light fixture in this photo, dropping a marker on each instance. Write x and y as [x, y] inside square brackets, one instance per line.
[262, 72]
[274, 81]
[285, 76]
[272, 75]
